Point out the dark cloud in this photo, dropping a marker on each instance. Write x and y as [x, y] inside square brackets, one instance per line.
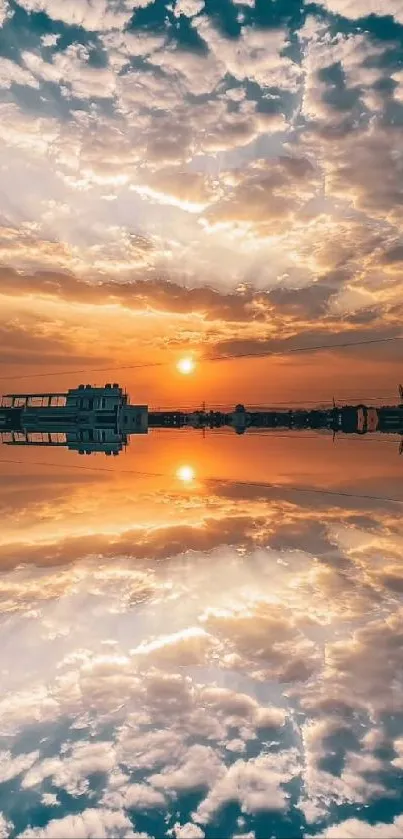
[301, 302]
[268, 192]
[310, 340]
[393, 255]
[311, 537]
[23, 346]
[142, 544]
[158, 293]
[351, 496]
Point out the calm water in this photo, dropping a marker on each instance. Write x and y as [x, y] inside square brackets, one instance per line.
[191, 652]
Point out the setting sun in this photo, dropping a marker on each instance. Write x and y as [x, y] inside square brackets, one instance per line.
[186, 365]
[185, 474]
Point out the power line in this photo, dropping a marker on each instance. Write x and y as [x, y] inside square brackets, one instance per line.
[297, 436]
[342, 345]
[83, 372]
[293, 436]
[214, 480]
[189, 406]
[263, 354]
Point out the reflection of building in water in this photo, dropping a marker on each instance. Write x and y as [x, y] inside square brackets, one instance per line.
[86, 419]
[92, 419]
[81, 440]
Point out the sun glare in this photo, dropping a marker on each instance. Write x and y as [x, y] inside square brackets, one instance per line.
[186, 365]
[185, 474]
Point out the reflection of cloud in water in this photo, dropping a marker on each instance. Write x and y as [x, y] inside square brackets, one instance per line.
[220, 660]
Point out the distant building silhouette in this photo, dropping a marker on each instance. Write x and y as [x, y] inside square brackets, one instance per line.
[91, 419]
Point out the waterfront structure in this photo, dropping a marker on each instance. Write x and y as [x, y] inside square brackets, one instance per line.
[87, 419]
[91, 419]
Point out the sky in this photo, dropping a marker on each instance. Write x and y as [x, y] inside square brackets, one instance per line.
[205, 658]
[207, 177]
[202, 638]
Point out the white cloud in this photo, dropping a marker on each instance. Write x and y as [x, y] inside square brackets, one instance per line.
[186, 831]
[189, 8]
[33, 134]
[93, 685]
[50, 799]
[256, 784]
[357, 829]
[134, 797]
[21, 708]
[71, 70]
[354, 9]
[267, 194]
[122, 46]
[240, 708]
[200, 767]
[236, 745]
[149, 749]
[99, 16]
[11, 766]
[189, 647]
[352, 786]
[49, 40]
[70, 771]
[263, 639]
[90, 824]
[320, 97]
[12, 73]
[255, 55]
[198, 74]
[398, 747]
[373, 738]
[5, 827]
[5, 11]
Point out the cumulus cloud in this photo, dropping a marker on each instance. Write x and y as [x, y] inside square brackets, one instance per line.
[135, 797]
[348, 102]
[357, 829]
[5, 11]
[70, 772]
[12, 73]
[256, 784]
[50, 799]
[11, 767]
[70, 69]
[189, 8]
[240, 709]
[267, 193]
[368, 662]
[20, 708]
[263, 639]
[168, 734]
[256, 56]
[149, 750]
[199, 769]
[92, 823]
[6, 827]
[105, 15]
[189, 647]
[259, 206]
[187, 831]
[356, 9]
[328, 743]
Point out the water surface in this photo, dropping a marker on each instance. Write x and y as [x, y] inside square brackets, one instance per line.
[212, 651]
